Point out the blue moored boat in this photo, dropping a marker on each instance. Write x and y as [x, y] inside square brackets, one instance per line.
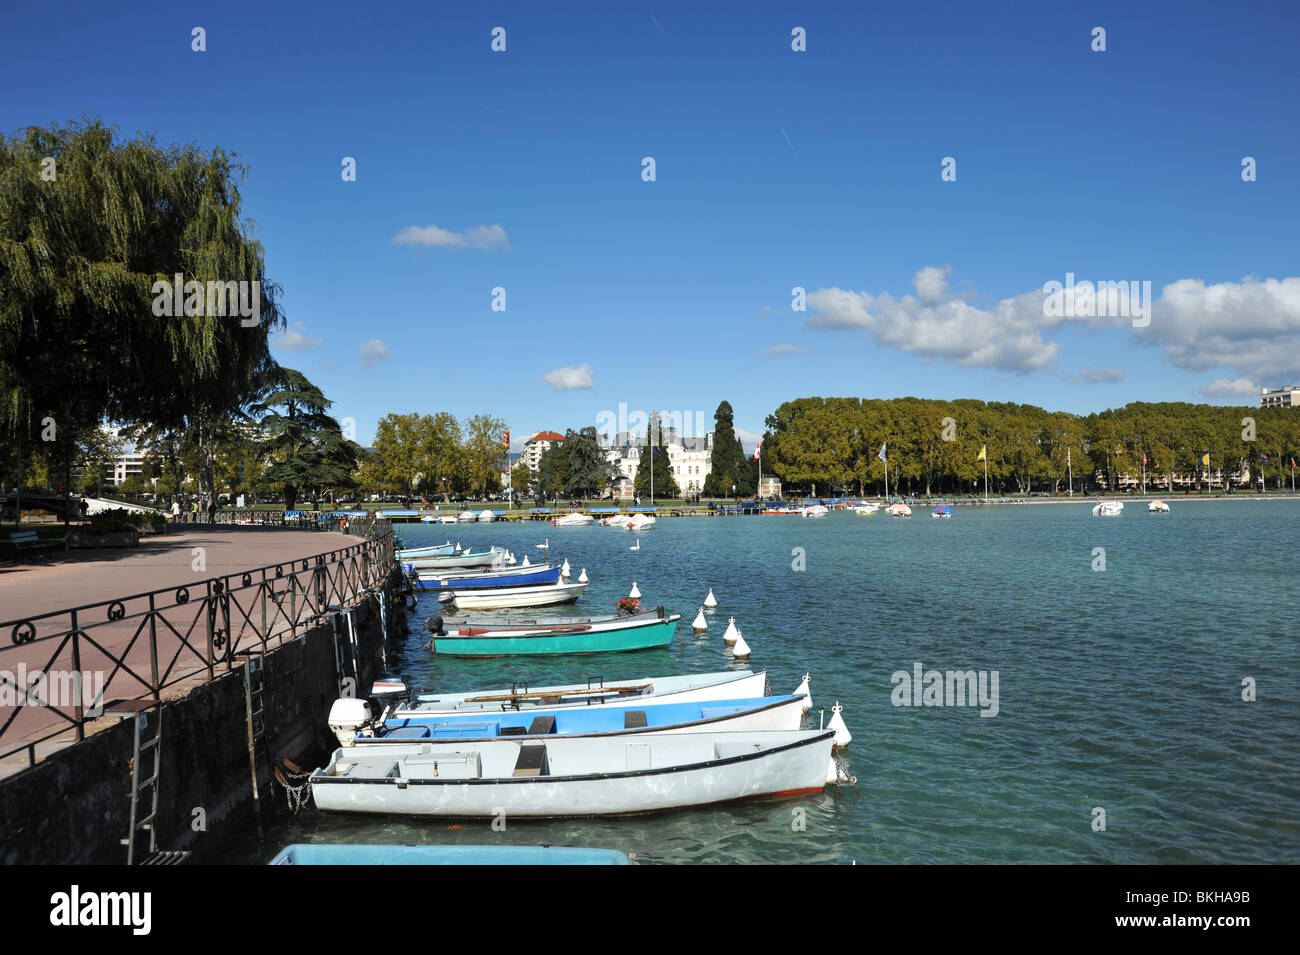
[767, 713]
[335, 854]
[511, 577]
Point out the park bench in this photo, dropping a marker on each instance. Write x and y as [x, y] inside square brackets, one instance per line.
[28, 542]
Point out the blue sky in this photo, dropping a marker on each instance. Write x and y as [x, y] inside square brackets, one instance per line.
[775, 169]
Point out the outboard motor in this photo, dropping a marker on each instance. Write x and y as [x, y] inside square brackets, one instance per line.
[434, 624]
[348, 716]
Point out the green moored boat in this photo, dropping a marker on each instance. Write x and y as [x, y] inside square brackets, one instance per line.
[640, 631]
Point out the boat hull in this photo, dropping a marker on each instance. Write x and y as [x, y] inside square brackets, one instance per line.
[761, 715]
[577, 777]
[644, 636]
[621, 693]
[506, 597]
[517, 577]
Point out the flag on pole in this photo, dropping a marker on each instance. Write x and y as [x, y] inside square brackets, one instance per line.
[1144, 459]
[1205, 459]
[881, 454]
[758, 449]
[1067, 457]
[1264, 458]
[983, 450]
[1293, 464]
[505, 439]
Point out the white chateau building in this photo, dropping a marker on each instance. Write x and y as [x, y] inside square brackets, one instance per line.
[689, 458]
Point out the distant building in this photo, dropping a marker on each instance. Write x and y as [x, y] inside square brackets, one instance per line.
[126, 465]
[1288, 397]
[535, 446]
[771, 487]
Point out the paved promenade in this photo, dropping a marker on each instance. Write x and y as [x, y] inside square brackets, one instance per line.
[187, 557]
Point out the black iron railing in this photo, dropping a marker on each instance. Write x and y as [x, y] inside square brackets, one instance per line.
[137, 646]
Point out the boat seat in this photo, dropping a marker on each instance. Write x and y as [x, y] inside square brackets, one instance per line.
[532, 760]
[514, 731]
[633, 719]
[541, 725]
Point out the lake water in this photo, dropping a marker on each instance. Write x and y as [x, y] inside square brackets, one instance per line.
[1118, 689]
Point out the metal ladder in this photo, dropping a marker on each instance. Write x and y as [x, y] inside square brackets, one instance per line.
[147, 715]
[255, 714]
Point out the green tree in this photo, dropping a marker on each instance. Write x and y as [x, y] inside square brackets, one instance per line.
[305, 445]
[589, 471]
[728, 463]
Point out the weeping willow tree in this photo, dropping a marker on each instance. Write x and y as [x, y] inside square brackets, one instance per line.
[89, 227]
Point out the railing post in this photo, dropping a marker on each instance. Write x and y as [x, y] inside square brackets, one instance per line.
[76, 669]
[210, 616]
[153, 648]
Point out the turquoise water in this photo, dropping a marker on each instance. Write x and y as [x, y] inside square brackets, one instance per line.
[1119, 689]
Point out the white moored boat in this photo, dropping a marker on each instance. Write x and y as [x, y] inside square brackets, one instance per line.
[573, 776]
[898, 509]
[573, 520]
[504, 597]
[1108, 509]
[639, 522]
[815, 510]
[727, 685]
[866, 509]
[1157, 507]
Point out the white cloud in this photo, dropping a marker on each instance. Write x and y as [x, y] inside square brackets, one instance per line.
[1230, 388]
[1251, 327]
[786, 349]
[476, 237]
[1007, 337]
[1094, 376]
[931, 283]
[569, 379]
[295, 339]
[372, 352]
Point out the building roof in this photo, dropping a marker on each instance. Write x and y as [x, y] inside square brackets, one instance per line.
[545, 436]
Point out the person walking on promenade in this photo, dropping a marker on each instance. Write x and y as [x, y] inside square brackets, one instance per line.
[194, 511]
[212, 508]
[176, 510]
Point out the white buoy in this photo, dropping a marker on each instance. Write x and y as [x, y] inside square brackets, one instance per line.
[699, 626]
[842, 735]
[525, 563]
[806, 692]
[741, 649]
[836, 776]
[510, 559]
[732, 633]
[565, 570]
[582, 577]
[635, 594]
[710, 601]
